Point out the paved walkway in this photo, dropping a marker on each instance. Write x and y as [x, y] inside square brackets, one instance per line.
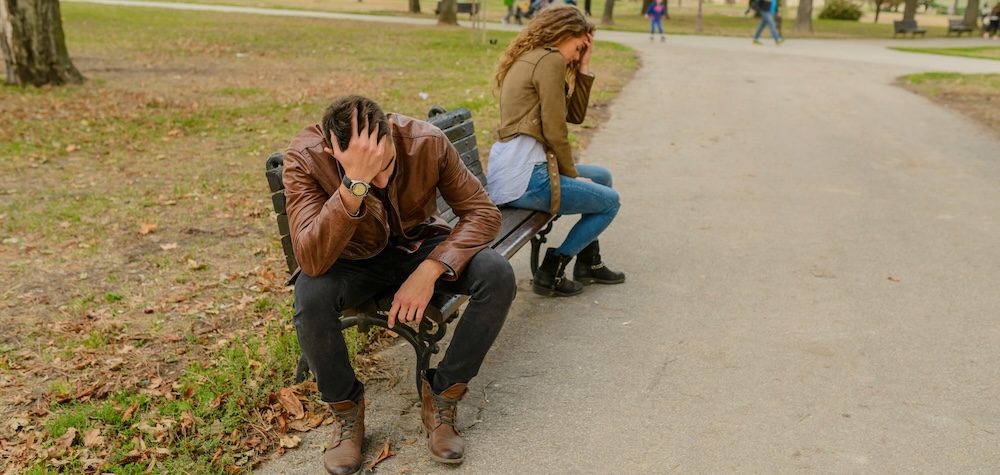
[813, 259]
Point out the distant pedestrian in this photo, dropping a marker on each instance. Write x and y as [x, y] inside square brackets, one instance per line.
[512, 11]
[586, 7]
[767, 9]
[994, 19]
[656, 11]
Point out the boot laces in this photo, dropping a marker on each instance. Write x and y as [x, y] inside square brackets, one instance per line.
[347, 419]
[444, 410]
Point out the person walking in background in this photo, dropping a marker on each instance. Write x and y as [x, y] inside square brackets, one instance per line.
[768, 9]
[512, 11]
[656, 11]
[544, 80]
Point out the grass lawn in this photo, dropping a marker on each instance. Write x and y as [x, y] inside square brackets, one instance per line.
[147, 325]
[717, 19]
[982, 52]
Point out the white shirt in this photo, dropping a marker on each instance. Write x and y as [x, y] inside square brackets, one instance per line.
[510, 167]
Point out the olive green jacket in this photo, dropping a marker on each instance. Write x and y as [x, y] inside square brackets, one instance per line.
[533, 101]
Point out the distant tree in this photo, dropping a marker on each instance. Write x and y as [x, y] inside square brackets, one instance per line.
[414, 6]
[804, 20]
[609, 9]
[449, 12]
[34, 47]
[972, 14]
[910, 11]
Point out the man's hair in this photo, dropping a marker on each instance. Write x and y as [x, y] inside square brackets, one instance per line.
[337, 119]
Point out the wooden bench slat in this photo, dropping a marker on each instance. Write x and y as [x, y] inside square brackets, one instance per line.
[448, 119]
[520, 231]
[278, 201]
[460, 131]
[465, 144]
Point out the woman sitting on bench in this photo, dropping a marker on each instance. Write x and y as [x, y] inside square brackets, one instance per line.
[544, 81]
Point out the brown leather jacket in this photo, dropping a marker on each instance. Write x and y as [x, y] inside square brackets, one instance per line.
[533, 102]
[322, 231]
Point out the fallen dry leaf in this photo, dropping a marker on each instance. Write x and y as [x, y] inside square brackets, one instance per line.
[291, 403]
[169, 246]
[893, 279]
[290, 441]
[147, 228]
[128, 412]
[384, 454]
[93, 438]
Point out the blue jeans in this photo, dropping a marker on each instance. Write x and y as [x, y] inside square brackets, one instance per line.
[596, 202]
[766, 18]
[654, 24]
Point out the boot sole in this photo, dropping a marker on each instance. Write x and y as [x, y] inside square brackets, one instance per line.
[435, 457]
[547, 292]
[588, 281]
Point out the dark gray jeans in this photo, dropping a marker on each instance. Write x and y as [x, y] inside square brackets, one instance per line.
[488, 281]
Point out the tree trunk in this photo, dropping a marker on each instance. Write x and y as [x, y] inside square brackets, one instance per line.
[645, 6]
[972, 14]
[449, 12]
[414, 6]
[910, 11]
[804, 18]
[33, 43]
[609, 9]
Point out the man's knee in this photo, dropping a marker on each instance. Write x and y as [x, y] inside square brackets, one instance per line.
[495, 273]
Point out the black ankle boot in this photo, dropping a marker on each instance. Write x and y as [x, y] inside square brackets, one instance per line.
[589, 268]
[550, 279]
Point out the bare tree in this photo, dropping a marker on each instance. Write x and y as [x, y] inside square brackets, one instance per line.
[449, 12]
[608, 17]
[804, 20]
[414, 6]
[34, 47]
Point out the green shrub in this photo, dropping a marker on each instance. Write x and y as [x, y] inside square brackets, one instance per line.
[841, 10]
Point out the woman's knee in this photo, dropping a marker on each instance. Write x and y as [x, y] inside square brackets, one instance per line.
[596, 173]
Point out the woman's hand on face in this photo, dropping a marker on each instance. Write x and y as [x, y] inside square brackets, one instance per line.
[585, 55]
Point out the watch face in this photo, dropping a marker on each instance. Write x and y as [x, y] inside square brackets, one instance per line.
[359, 188]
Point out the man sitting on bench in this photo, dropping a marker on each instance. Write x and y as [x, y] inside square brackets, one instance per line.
[361, 201]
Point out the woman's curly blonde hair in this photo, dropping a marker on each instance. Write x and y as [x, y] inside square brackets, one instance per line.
[551, 27]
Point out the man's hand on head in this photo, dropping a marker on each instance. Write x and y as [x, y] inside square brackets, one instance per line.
[362, 159]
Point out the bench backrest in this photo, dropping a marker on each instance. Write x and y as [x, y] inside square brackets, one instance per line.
[900, 24]
[457, 125]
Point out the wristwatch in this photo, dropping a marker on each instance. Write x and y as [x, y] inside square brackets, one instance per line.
[357, 188]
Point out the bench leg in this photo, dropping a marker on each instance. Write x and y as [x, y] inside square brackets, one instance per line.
[423, 340]
[536, 245]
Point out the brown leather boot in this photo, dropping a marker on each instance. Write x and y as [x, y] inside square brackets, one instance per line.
[439, 413]
[343, 453]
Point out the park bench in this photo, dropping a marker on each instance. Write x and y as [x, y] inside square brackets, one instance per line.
[907, 26]
[472, 8]
[519, 227]
[958, 26]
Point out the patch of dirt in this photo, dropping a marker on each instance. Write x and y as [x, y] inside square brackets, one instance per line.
[976, 96]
